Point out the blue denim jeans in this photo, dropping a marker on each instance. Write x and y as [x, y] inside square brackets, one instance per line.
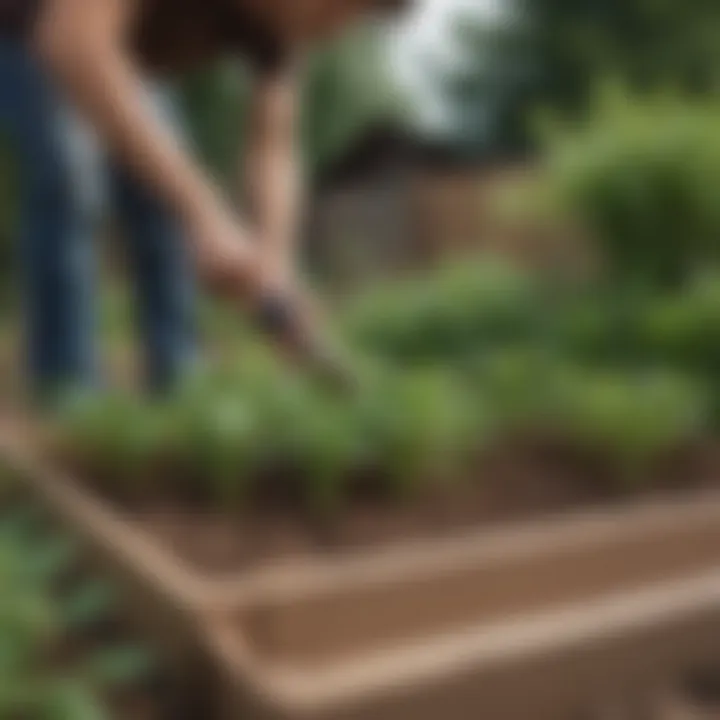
[65, 181]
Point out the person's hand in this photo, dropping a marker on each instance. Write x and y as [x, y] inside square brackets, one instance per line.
[224, 258]
[297, 327]
[281, 307]
[276, 273]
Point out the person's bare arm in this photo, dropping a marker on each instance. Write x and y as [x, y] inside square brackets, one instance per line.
[273, 175]
[83, 45]
[273, 171]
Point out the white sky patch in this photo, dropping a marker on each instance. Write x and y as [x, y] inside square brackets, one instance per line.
[423, 40]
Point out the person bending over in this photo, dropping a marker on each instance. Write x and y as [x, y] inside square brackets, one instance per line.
[99, 54]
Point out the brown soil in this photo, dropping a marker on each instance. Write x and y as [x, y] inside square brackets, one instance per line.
[516, 482]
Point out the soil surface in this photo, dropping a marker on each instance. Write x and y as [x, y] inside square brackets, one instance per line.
[521, 481]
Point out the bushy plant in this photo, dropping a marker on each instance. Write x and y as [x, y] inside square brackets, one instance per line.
[641, 175]
[674, 330]
[523, 386]
[226, 432]
[684, 329]
[608, 329]
[421, 426]
[448, 364]
[630, 418]
[39, 606]
[452, 313]
[625, 417]
[119, 436]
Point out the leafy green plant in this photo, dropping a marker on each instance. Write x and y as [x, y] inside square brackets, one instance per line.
[326, 445]
[214, 435]
[43, 600]
[227, 432]
[641, 176]
[119, 436]
[487, 351]
[422, 426]
[679, 330]
[631, 418]
[29, 626]
[684, 329]
[452, 313]
[522, 386]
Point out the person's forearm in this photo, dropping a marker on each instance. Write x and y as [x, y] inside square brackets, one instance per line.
[106, 90]
[276, 196]
[274, 179]
[102, 82]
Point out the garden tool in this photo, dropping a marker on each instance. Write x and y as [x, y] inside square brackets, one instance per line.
[286, 323]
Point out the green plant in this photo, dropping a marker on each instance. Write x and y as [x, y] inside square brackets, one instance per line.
[227, 431]
[450, 314]
[44, 599]
[422, 426]
[522, 386]
[214, 434]
[119, 435]
[684, 329]
[679, 330]
[477, 350]
[641, 176]
[631, 418]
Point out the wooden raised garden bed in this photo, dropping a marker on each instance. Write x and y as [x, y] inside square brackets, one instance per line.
[535, 619]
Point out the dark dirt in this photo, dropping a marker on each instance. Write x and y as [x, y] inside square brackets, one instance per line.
[520, 481]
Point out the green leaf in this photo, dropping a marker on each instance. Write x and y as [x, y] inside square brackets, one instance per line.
[72, 701]
[93, 601]
[120, 666]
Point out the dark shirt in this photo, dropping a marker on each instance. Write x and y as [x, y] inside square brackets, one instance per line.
[176, 35]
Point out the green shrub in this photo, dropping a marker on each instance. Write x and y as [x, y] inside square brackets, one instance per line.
[226, 432]
[215, 439]
[630, 419]
[678, 330]
[43, 599]
[625, 417]
[449, 314]
[603, 329]
[684, 329]
[624, 374]
[522, 386]
[642, 176]
[422, 426]
[406, 430]
[116, 435]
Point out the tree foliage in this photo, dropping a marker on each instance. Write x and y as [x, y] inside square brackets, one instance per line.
[550, 53]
